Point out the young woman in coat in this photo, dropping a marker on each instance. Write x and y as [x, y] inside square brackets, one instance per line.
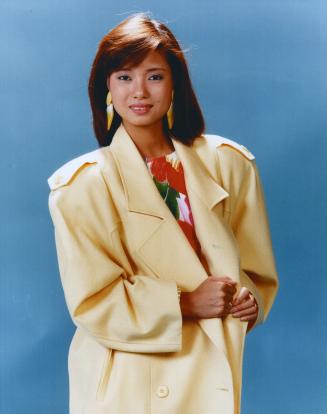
[162, 240]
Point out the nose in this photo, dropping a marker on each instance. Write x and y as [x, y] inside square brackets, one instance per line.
[140, 90]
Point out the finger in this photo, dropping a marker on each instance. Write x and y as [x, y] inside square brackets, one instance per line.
[242, 294]
[228, 289]
[228, 305]
[246, 303]
[245, 312]
[248, 318]
[228, 299]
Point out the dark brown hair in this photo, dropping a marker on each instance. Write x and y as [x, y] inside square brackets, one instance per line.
[128, 44]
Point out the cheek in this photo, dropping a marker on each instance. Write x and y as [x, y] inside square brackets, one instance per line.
[164, 96]
[118, 97]
[115, 89]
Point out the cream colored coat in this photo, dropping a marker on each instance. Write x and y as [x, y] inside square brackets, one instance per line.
[121, 256]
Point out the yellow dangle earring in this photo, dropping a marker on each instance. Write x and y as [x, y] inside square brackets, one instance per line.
[110, 111]
[170, 113]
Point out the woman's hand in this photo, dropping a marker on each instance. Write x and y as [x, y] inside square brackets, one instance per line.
[245, 307]
[212, 299]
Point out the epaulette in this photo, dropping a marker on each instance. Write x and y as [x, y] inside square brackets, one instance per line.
[67, 172]
[219, 141]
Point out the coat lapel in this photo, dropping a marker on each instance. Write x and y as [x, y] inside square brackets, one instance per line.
[159, 236]
[138, 186]
[159, 241]
[205, 195]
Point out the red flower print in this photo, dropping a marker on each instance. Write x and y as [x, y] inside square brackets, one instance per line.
[190, 234]
[176, 178]
[163, 171]
[159, 168]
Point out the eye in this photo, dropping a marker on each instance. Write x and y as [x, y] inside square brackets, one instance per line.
[156, 77]
[123, 77]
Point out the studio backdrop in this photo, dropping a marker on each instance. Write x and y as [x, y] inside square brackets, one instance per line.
[259, 69]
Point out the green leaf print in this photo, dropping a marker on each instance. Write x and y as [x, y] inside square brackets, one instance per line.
[169, 195]
[162, 187]
[171, 201]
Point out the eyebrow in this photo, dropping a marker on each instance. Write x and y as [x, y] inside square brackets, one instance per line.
[148, 70]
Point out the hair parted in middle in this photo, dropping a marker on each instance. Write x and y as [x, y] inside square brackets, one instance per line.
[127, 45]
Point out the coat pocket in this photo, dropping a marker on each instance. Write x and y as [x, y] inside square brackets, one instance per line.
[105, 374]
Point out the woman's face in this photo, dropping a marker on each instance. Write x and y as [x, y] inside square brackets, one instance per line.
[142, 94]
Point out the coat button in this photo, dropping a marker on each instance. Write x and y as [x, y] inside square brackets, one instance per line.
[162, 391]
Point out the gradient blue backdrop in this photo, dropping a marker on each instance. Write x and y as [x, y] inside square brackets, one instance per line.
[259, 69]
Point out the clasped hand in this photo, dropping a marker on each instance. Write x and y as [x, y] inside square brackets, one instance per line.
[215, 297]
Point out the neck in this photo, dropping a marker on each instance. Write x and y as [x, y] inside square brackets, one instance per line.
[150, 140]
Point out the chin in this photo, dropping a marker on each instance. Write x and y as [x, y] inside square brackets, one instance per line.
[142, 122]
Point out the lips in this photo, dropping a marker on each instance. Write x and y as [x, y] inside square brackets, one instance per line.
[140, 109]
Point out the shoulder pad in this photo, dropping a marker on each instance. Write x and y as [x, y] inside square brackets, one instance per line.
[63, 175]
[219, 141]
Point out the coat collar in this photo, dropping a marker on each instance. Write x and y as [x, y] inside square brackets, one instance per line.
[135, 176]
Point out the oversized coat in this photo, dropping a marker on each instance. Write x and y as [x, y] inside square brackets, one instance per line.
[121, 256]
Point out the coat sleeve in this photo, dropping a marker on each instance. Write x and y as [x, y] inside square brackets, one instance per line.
[120, 311]
[249, 223]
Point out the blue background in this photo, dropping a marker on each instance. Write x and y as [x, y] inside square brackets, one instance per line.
[259, 69]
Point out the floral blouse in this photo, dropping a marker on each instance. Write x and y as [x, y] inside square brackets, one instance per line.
[168, 175]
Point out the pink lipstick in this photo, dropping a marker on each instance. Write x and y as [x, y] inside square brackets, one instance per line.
[140, 109]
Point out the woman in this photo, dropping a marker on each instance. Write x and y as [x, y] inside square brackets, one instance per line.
[162, 239]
